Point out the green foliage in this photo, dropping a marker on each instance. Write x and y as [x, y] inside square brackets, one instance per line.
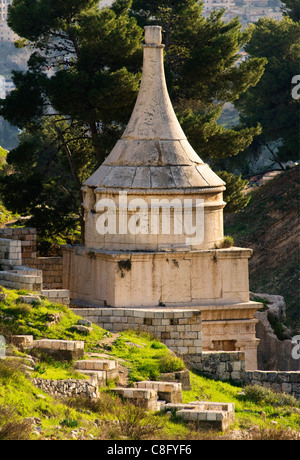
[234, 195]
[25, 319]
[145, 356]
[49, 171]
[88, 49]
[227, 242]
[270, 102]
[95, 59]
[250, 402]
[48, 368]
[291, 8]
[134, 423]
[170, 363]
[11, 58]
[12, 429]
[265, 396]
[108, 417]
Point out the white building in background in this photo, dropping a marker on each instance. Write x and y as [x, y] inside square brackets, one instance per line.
[2, 87]
[104, 3]
[6, 86]
[6, 34]
[249, 11]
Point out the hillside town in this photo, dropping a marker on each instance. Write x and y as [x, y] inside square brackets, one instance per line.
[247, 10]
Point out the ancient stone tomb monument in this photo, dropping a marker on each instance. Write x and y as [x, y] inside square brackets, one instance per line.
[154, 222]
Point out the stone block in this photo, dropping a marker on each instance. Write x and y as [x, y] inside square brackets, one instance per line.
[62, 350]
[146, 398]
[21, 341]
[167, 391]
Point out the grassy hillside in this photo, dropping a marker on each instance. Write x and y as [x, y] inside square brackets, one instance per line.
[28, 413]
[270, 226]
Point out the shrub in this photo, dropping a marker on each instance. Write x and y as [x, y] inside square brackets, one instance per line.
[227, 242]
[12, 429]
[10, 369]
[170, 363]
[157, 345]
[135, 423]
[262, 395]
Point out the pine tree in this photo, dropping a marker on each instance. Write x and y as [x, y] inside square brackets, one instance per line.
[291, 8]
[82, 81]
[201, 60]
[270, 102]
[86, 66]
[203, 73]
[72, 104]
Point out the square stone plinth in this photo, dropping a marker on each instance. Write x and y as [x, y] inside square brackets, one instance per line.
[149, 279]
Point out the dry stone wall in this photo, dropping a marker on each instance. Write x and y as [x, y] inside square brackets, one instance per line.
[279, 381]
[68, 388]
[222, 365]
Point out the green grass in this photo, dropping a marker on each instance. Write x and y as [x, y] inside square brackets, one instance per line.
[55, 370]
[25, 319]
[145, 356]
[108, 418]
[254, 406]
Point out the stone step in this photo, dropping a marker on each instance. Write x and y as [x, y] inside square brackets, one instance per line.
[96, 364]
[99, 376]
[57, 295]
[142, 397]
[16, 279]
[64, 350]
[167, 391]
[110, 367]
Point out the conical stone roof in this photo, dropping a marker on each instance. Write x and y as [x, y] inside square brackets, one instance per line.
[154, 154]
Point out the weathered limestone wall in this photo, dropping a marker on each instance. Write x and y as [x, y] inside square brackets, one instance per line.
[18, 247]
[52, 268]
[10, 253]
[222, 365]
[214, 282]
[231, 366]
[179, 330]
[62, 350]
[211, 224]
[27, 236]
[147, 279]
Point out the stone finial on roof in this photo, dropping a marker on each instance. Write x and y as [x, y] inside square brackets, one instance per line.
[154, 153]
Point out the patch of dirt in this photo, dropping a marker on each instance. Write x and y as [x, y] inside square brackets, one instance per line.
[106, 343]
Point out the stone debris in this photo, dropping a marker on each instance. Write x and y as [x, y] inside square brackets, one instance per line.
[216, 415]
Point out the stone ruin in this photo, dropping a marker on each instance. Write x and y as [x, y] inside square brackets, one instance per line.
[146, 273]
[162, 395]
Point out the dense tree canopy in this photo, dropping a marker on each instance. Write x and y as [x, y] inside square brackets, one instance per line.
[201, 57]
[83, 75]
[291, 8]
[83, 58]
[270, 102]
